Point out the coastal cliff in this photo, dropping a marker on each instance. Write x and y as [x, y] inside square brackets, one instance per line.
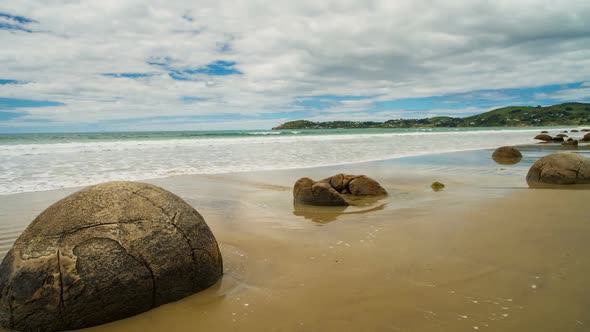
[572, 114]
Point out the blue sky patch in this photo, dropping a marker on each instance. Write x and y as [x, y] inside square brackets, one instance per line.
[7, 81]
[216, 68]
[15, 22]
[14, 103]
[10, 115]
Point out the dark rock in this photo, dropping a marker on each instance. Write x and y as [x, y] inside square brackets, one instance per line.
[330, 191]
[586, 137]
[563, 168]
[437, 186]
[584, 130]
[570, 142]
[557, 139]
[507, 155]
[574, 131]
[544, 137]
[307, 191]
[107, 252]
[561, 135]
[565, 131]
[544, 132]
[365, 186]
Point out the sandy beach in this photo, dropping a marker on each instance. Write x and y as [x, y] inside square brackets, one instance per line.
[486, 253]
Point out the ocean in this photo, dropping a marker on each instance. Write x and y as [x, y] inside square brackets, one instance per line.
[38, 162]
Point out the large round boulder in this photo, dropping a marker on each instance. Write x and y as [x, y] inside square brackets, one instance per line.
[107, 252]
[563, 168]
[544, 137]
[507, 155]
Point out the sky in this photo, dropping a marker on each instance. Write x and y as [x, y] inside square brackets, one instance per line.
[121, 65]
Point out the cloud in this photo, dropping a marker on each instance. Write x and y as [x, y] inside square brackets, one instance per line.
[110, 61]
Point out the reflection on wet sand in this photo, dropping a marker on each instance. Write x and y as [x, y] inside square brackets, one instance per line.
[325, 214]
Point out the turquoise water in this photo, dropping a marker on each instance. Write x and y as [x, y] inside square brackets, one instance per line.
[35, 162]
[44, 138]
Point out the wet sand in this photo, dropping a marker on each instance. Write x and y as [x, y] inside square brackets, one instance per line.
[487, 253]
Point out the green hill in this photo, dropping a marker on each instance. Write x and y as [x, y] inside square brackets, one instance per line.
[572, 114]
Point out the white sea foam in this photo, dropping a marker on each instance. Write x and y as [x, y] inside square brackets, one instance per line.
[36, 167]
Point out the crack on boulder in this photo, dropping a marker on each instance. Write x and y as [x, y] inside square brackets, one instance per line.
[578, 172]
[62, 309]
[75, 230]
[10, 308]
[142, 261]
[172, 222]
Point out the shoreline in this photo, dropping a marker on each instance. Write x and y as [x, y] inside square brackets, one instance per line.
[47, 167]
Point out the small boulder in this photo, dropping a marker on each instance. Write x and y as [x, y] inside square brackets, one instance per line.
[104, 253]
[307, 191]
[437, 186]
[544, 132]
[574, 131]
[365, 186]
[544, 137]
[562, 168]
[570, 143]
[565, 131]
[585, 130]
[586, 137]
[558, 139]
[561, 135]
[331, 191]
[507, 155]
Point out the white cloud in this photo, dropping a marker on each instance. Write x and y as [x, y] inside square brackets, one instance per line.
[285, 49]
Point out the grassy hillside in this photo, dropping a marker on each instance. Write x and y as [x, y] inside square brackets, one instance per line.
[573, 114]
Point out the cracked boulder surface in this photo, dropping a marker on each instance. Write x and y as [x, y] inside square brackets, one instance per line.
[563, 168]
[107, 252]
[333, 190]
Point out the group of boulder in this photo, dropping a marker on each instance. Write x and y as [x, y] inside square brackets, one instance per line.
[563, 137]
[556, 169]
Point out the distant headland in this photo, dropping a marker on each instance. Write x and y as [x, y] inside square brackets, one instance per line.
[571, 114]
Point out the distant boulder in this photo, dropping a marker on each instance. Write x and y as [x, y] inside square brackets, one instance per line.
[561, 135]
[586, 137]
[544, 132]
[584, 130]
[562, 168]
[437, 186]
[574, 131]
[507, 155]
[570, 143]
[558, 139]
[544, 137]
